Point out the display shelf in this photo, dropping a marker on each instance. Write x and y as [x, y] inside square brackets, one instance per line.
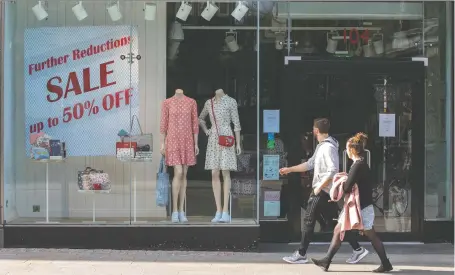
[94, 193]
[47, 161]
[134, 160]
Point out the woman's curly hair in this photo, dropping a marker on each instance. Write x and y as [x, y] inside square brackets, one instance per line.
[357, 143]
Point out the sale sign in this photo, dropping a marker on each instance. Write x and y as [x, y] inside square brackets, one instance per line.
[81, 86]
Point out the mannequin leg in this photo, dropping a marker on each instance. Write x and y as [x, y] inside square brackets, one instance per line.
[182, 193]
[176, 183]
[216, 187]
[226, 189]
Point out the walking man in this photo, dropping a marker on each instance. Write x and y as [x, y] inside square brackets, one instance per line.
[325, 162]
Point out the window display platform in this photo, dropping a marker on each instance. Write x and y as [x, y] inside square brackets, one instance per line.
[227, 237]
[192, 221]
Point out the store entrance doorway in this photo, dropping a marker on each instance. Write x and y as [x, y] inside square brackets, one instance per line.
[382, 98]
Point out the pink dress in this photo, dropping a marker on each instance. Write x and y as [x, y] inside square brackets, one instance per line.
[179, 122]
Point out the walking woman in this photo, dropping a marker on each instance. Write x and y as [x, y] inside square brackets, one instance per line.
[359, 174]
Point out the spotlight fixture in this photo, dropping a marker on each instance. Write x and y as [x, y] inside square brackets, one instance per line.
[114, 12]
[149, 11]
[240, 11]
[176, 33]
[209, 11]
[231, 41]
[39, 11]
[79, 11]
[184, 11]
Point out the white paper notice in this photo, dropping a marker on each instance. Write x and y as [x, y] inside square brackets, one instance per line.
[271, 121]
[271, 203]
[387, 125]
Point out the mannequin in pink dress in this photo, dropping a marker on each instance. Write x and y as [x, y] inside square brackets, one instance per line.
[179, 129]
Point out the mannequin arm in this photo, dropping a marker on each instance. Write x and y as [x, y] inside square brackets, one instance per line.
[202, 117]
[237, 141]
[196, 147]
[162, 143]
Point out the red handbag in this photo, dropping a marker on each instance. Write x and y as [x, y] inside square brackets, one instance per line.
[226, 141]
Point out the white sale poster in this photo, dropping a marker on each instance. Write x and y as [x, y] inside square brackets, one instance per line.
[80, 86]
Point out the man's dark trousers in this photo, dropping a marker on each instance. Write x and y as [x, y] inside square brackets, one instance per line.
[318, 205]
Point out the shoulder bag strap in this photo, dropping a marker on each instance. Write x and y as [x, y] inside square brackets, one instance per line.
[135, 118]
[214, 118]
[162, 168]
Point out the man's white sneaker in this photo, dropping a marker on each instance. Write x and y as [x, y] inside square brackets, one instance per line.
[296, 258]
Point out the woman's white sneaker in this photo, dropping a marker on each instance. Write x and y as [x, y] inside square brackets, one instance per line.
[357, 256]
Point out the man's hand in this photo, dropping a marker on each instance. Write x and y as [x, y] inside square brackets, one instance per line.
[317, 190]
[285, 171]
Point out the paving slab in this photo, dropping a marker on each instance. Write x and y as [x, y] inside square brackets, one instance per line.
[436, 259]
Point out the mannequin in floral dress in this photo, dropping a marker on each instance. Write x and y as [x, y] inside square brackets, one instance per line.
[220, 158]
[179, 134]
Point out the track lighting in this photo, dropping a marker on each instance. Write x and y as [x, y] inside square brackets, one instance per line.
[239, 11]
[184, 11]
[39, 11]
[114, 12]
[149, 11]
[209, 11]
[231, 41]
[79, 11]
[176, 32]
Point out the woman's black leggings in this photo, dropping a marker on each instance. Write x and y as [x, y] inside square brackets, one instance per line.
[371, 234]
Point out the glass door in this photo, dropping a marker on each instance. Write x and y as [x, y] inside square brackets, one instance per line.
[371, 96]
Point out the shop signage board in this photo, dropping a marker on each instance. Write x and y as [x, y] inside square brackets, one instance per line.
[78, 89]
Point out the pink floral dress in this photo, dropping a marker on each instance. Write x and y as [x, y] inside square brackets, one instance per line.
[179, 122]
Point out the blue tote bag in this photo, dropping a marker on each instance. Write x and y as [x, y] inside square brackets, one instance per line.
[162, 185]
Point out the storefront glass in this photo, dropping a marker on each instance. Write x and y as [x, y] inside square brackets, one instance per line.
[438, 36]
[360, 32]
[94, 83]
[86, 118]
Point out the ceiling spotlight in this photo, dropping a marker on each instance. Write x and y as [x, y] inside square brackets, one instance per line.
[184, 11]
[114, 12]
[79, 11]
[209, 11]
[39, 11]
[176, 33]
[149, 11]
[231, 41]
[240, 11]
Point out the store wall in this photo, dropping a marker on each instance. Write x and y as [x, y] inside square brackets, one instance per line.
[24, 180]
[8, 161]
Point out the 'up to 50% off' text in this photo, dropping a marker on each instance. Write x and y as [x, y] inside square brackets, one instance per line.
[75, 87]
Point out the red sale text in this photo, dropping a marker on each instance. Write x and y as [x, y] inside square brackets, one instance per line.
[73, 85]
[78, 54]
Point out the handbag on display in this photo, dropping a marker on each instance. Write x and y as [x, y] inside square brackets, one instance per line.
[226, 141]
[143, 141]
[92, 179]
[162, 185]
[125, 149]
[100, 181]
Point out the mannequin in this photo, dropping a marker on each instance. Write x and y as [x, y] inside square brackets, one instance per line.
[179, 135]
[220, 158]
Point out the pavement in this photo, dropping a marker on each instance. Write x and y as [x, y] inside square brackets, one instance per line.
[433, 259]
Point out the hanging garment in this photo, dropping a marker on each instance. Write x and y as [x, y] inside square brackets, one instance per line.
[179, 123]
[220, 157]
[350, 217]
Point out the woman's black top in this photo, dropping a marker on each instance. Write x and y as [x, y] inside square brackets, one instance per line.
[360, 174]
